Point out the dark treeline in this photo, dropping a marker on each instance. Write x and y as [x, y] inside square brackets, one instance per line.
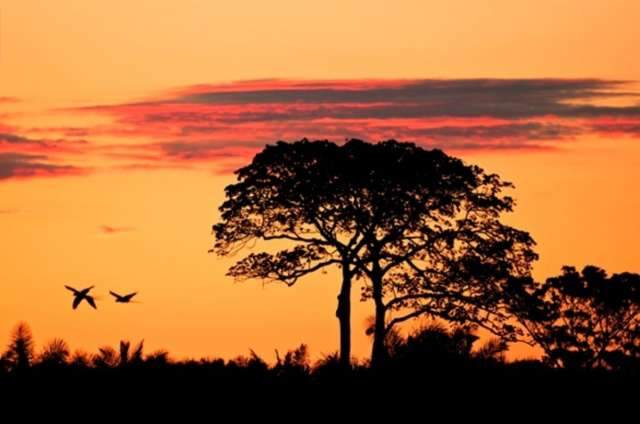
[441, 359]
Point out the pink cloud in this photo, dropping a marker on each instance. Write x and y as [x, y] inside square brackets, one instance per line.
[215, 125]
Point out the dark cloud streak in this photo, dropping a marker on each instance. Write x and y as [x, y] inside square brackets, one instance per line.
[21, 165]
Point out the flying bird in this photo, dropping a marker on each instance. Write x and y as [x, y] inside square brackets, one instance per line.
[80, 295]
[123, 298]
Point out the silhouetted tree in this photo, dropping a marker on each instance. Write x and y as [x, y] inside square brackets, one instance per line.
[421, 226]
[493, 349]
[20, 353]
[80, 360]
[107, 357]
[294, 366]
[329, 367]
[159, 358]
[583, 319]
[128, 359]
[435, 342]
[253, 368]
[55, 353]
[435, 345]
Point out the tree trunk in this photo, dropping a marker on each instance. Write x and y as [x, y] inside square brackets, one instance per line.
[344, 317]
[379, 350]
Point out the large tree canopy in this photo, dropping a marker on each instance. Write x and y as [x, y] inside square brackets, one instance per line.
[583, 319]
[421, 227]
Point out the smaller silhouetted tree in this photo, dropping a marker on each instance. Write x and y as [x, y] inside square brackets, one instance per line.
[158, 359]
[55, 354]
[20, 353]
[583, 319]
[107, 357]
[442, 348]
[294, 366]
[80, 360]
[130, 358]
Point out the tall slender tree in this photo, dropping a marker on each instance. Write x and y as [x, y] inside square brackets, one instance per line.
[21, 351]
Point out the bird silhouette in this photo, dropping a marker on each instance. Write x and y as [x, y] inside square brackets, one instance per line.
[80, 295]
[123, 298]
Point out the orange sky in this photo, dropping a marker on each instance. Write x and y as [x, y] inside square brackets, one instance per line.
[123, 115]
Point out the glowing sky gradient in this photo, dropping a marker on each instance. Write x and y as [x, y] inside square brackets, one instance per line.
[120, 125]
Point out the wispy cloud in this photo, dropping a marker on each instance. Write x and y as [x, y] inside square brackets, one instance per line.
[19, 143]
[22, 156]
[219, 126]
[23, 165]
[209, 122]
[616, 127]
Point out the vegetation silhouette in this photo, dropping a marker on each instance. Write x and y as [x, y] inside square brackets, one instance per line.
[20, 354]
[421, 231]
[583, 319]
[419, 228]
[452, 359]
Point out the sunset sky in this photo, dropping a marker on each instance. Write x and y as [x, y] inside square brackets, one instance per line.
[121, 123]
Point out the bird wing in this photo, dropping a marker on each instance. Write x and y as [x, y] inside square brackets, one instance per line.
[114, 294]
[91, 301]
[76, 301]
[71, 288]
[130, 295]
